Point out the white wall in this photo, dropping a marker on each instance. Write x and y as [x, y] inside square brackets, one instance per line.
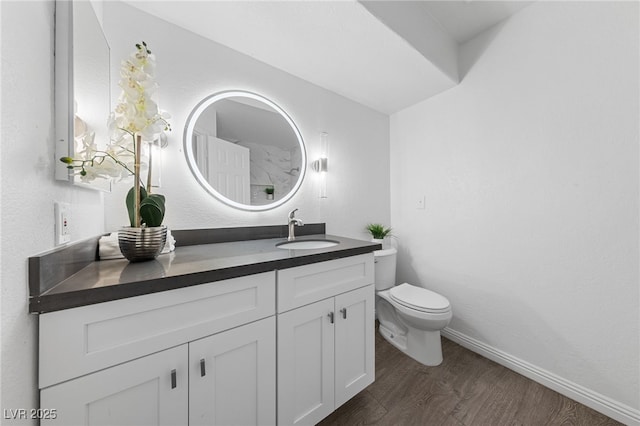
[530, 172]
[28, 189]
[189, 68]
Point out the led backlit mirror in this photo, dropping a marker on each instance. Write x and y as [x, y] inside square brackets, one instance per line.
[245, 150]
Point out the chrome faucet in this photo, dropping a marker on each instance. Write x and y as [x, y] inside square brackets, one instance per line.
[293, 222]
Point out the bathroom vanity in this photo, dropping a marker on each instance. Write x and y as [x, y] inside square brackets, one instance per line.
[223, 331]
[231, 328]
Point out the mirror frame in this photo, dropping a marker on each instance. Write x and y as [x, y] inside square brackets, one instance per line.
[65, 94]
[64, 109]
[188, 148]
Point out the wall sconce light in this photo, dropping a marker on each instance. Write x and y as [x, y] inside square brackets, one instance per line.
[320, 165]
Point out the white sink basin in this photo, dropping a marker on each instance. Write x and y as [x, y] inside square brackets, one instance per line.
[307, 244]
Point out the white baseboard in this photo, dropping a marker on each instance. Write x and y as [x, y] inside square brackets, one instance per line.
[616, 410]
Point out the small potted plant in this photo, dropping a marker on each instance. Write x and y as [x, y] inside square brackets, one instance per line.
[136, 120]
[269, 191]
[378, 232]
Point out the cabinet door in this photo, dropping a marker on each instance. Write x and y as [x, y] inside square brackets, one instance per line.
[305, 364]
[233, 376]
[152, 390]
[354, 369]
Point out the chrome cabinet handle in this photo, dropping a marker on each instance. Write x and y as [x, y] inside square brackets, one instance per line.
[344, 313]
[173, 379]
[203, 371]
[330, 315]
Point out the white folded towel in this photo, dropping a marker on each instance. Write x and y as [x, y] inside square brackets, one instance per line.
[108, 247]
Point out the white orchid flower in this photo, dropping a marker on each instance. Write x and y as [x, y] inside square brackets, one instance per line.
[135, 114]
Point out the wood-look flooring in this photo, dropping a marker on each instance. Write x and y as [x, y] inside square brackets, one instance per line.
[465, 390]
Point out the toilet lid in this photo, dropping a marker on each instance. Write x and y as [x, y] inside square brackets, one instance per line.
[419, 298]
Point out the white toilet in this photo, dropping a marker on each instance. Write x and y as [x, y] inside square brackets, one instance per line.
[410, 317]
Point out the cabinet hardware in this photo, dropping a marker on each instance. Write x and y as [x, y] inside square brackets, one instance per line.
[330, 317]
[203, 371]
[173, 379]
[344, 313]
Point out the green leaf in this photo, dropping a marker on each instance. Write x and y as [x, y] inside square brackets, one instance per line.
[161, 199]
[152, 210]
[129, 202]
[66, 160]
[151, 207]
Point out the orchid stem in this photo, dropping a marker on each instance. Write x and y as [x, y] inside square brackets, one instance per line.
[149, 168]
[136, 182]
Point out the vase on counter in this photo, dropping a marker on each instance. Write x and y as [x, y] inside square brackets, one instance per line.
[140, 244]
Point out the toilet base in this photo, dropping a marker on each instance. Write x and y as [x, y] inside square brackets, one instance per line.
[421, 345]
[396, 338]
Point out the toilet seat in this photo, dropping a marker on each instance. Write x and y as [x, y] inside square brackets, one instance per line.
[420, 299]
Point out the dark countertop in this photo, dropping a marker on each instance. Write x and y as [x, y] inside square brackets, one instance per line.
[102, 281]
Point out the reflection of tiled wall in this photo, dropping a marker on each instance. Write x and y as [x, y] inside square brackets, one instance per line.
[271, 165]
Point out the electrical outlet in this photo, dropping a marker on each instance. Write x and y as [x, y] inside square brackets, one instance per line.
[62, 225]
[420, 202]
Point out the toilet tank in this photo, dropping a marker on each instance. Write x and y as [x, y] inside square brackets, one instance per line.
[385, 268]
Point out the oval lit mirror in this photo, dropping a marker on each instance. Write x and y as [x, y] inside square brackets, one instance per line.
[245, 150]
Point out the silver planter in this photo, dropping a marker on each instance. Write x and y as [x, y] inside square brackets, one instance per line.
[140, 244]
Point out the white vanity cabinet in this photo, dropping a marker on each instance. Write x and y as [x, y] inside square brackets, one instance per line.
[217, 353]
[197, 355]
[325, 337]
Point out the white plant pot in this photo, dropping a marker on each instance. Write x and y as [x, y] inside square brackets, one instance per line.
[378, 240]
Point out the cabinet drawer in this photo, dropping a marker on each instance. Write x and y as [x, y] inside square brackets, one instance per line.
[78, 341]
[309, 283]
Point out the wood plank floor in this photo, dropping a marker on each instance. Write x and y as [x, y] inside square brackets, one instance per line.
[465, 390]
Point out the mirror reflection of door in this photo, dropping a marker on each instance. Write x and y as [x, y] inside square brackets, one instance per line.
[242, 147]
[224, 165]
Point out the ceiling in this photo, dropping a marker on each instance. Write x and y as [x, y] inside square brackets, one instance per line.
[464, 20]
[386, 55]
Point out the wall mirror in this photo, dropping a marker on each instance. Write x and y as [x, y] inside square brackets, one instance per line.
[82, 86]
[245, 150]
